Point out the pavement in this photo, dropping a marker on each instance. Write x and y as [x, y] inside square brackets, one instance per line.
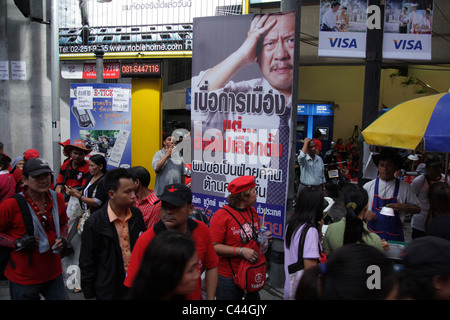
[271, 291]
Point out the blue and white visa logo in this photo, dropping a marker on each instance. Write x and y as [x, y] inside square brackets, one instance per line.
[343, 43]
[407, 44]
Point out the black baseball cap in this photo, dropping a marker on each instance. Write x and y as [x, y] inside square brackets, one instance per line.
[176, 194]
[36, 166]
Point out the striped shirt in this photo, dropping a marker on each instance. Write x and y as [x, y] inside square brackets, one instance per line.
[150, 210]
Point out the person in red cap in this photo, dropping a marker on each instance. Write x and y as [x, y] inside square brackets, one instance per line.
[30, 154]
[35, 266]
[18, 172]
[176, 208]
[75, 170]
[230, 238]
[63, 144]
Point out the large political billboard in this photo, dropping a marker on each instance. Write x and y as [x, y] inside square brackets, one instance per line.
[241, 110]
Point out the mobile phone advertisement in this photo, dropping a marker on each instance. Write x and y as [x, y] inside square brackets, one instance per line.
[100, 115]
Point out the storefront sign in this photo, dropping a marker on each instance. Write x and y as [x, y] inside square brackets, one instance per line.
[138, 26]
[111, 70]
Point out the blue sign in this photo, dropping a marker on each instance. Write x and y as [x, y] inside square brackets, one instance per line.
[101, 117]
[188, 98]
[310, 109]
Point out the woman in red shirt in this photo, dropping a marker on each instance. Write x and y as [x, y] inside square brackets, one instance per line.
[230, 238]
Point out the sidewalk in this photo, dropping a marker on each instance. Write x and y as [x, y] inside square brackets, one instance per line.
[268, 293]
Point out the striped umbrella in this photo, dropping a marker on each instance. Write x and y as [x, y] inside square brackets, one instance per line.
[410, 123]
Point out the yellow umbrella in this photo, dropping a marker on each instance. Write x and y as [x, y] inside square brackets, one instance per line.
[405, 126]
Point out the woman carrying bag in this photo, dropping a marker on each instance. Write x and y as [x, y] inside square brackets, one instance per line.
[232, 228]
[92, 196]
[84, 202]
[302, 248]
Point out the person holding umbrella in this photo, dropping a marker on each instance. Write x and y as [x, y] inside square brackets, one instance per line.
[388, 191]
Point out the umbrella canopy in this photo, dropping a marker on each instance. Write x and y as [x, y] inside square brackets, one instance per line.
[409, 123]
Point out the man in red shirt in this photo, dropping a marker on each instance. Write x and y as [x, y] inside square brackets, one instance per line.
[75, 170]
[176, 207]
[35, 264]
[146, 199]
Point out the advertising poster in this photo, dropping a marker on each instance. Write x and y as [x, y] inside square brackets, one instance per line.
[100, 115]
[130, 26]
[342, 31]
[241, 106]
[407, 29]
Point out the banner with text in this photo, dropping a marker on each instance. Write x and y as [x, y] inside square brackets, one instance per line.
[241, 106]
[343, 28]
[407, 30]
[134, 26]
[101, 117]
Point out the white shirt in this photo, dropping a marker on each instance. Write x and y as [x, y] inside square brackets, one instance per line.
[420, 188]
[386, 191]
[329, 18]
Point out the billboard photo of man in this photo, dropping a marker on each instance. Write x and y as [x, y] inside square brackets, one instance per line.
[242, 106]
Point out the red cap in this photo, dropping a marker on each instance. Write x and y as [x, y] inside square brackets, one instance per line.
[65, 143]
[241, 184]
[30, 154]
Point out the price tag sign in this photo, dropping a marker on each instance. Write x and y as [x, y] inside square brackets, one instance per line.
[121, 100]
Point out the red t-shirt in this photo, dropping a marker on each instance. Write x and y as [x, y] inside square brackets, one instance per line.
[45, 266]
[225, 230]
[205, 249]
[75, 177]
[318, 144]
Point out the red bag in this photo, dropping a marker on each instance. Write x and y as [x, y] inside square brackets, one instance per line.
[251, 276]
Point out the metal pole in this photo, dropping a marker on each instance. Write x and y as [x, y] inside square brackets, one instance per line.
[55, 70]
[276, 258]
[293, 5]
[99, 65]
[371, 100]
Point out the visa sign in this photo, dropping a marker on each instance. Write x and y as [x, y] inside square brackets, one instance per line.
[408, 44]
[343, 43]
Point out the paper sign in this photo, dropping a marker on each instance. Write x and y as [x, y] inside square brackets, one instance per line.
[121, 100]
[4, 70]
[18, 70]
[119, 148]
[85, 97]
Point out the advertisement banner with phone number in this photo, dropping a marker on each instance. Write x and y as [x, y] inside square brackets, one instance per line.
[100, 115]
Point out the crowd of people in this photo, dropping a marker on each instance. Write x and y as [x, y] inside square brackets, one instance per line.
[121, 240]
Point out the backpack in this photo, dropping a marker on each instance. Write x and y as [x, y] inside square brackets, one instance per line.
[5, 252]
[250, 276]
